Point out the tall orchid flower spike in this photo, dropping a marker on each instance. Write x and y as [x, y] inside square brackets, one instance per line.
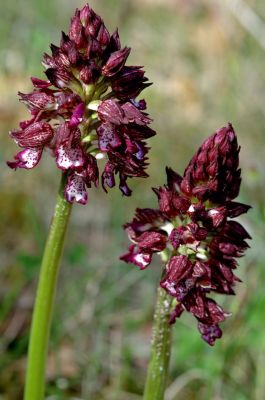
[86, 110]
[195, 230]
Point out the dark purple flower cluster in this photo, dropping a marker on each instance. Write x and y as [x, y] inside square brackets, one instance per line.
[86, 110]
[195, 229]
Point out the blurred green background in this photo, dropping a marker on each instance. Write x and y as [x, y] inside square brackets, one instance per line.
[207, 61]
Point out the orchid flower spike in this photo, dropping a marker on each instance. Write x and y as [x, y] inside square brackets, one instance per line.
[87, 110]
[195, 226]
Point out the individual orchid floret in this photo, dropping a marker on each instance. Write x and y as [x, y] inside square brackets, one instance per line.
[87, 110]
[194, 229]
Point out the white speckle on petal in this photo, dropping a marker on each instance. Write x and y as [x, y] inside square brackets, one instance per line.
[191, 208]
[60, 83]
[30, 157]
[93, 105]
[100, 156]
[75, 190]
[213, 212]
[141, 259]
[170, 287]
[168, 227]
[201, 256]
[69, 157]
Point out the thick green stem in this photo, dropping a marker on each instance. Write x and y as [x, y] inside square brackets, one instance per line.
[40, 329]
[160, 349]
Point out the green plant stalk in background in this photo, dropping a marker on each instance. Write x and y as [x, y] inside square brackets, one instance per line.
[40, 329]
[157, 373]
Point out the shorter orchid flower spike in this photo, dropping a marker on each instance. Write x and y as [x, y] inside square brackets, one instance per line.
[195, 226]
[87, 110]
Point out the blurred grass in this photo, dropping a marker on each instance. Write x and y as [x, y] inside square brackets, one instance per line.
[207, 69]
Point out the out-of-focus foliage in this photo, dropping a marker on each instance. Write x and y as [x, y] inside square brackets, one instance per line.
[207, 69]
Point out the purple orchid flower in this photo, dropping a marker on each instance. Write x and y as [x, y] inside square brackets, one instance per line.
[87, 110]
[194, 225]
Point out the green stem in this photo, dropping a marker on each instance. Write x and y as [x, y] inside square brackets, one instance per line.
[160, 349]
[41, 321]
